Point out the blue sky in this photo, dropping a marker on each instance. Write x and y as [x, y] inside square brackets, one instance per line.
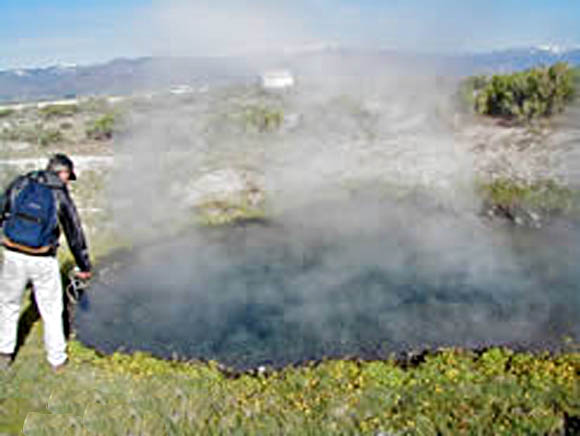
[37, 33]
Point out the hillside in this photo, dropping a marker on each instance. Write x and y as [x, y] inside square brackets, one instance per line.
[127, 76]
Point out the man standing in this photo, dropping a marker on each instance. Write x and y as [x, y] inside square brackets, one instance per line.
[33, 210]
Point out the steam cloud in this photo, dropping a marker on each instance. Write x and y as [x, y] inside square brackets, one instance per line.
[374, 242]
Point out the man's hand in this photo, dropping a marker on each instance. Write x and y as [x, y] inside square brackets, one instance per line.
[84, 275]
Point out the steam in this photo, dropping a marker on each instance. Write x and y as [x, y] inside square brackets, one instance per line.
[338, 136]
[373, 241]
[337, 278]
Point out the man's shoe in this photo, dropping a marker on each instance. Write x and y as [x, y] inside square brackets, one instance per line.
[58, 369]
[5, 361]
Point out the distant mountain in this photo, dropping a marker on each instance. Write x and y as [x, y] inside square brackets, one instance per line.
[516, 59]
[126, 76]
[118, 77]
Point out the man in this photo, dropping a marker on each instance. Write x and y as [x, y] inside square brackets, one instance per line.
[25, 261]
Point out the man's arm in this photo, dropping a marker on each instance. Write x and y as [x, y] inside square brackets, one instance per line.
[71, 225]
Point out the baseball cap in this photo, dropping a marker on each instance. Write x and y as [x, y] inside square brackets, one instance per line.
[60, 162]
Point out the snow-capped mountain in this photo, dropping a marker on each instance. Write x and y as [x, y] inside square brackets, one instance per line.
[555, 48]
[124, 76]
[62, 68]
[518, 59]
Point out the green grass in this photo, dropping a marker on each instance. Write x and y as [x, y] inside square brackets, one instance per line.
[544, 196]
[224, 212]
[59, 110]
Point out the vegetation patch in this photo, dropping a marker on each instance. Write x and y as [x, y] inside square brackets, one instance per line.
[59, 110]
[450, 392]
[576, 78]
[262, 118]
[546, 195]
[521, 201]
[5, 113]
[36, 134]
[102, 128]
[225, 212]
[523, 96]
[20, 133]
[48, 137]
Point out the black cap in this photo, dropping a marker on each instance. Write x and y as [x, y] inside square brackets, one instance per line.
[60, 162]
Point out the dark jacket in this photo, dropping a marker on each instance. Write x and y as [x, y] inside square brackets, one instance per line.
[68, 216]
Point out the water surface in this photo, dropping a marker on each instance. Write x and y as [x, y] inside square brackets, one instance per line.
[353, 281]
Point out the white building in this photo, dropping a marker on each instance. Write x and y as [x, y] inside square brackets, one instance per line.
[277, 80]
[181, 90]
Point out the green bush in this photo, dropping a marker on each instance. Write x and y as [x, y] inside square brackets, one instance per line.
[5, 113]
[527, 95]
[263, 119]
[48, 137]
[576, 78]
[102, 128]
[468, 90]
[544, 196]
[59, 110]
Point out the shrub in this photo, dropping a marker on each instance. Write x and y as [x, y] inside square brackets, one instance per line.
[59, 110]
[527, 95]
[544, 196]
[48, 137]
[5, 113]
[468, 90]
[102, 128]
[33, 135]
[20, 133]
[576, 78]
[263, 119]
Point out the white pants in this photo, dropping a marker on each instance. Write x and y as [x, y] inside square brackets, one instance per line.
[44, 273]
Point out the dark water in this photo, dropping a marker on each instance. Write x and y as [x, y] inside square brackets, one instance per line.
[303, 289]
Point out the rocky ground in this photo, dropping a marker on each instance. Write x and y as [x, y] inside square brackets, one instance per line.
[545, 151]
[226, 151]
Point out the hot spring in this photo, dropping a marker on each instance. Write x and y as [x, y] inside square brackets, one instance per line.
[374, 242]
[360, 278]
